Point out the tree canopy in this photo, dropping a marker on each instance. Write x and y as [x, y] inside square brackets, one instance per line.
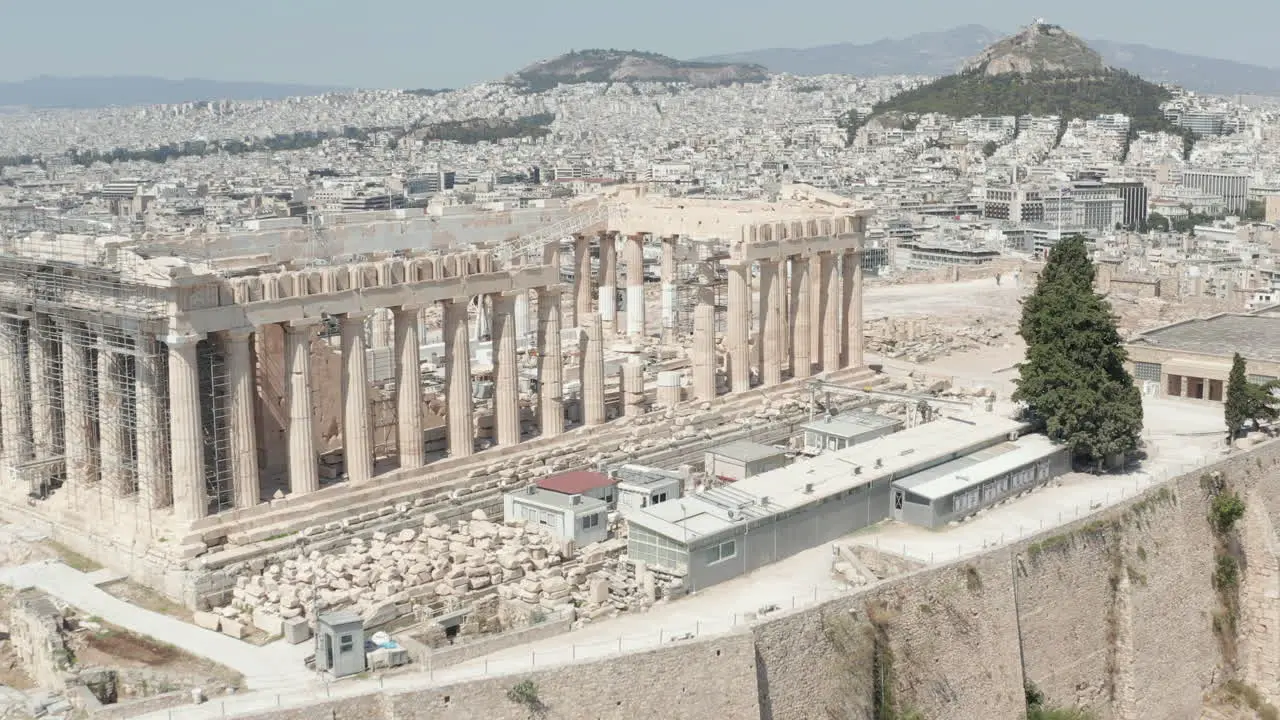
[1248, 400]
[1069, 95]
[1073, 382]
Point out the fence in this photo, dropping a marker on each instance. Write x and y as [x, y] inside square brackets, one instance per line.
[502, 663]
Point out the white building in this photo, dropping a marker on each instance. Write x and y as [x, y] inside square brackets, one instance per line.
[579, 518]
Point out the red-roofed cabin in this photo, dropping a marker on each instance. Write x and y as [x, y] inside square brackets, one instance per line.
[582, 482]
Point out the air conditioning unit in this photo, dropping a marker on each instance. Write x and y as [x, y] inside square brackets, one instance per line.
[531, 489]
[1013, 435]
[808, 488]
[577, 500]
[764, 501]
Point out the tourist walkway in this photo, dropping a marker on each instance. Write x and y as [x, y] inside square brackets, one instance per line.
[274, 666]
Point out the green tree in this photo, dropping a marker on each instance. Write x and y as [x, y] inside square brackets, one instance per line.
[1255, 211]
[1073, 382]
[1236, 409]
[1264, 404]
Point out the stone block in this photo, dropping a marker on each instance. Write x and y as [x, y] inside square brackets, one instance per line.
[599, 592]
[267, 622]
[206, 620]
[296, 630]
[232, 628]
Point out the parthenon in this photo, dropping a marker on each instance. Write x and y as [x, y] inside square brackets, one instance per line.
[148, 394]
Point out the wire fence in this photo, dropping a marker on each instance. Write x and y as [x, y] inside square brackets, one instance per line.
[508, 662]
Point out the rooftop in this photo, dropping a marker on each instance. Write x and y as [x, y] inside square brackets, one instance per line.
[560, 501]
[746, 451]
[1256, 337]
[639, 476]
[851, 424]
[576, 482]
[810, 481]
[979, 467]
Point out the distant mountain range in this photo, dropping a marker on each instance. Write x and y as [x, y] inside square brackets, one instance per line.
[942, 53]
[597, 65]
[89, 92]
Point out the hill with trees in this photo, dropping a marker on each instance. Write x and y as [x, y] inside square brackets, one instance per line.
[1042, 71]
[603, 66]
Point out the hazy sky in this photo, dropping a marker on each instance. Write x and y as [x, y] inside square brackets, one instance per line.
[447, 43]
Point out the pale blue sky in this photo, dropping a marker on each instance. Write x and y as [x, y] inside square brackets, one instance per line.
[430, 43]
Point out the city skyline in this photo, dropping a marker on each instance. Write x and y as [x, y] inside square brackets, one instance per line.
[404, 45]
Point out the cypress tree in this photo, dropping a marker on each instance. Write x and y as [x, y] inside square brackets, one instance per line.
[1236, 409]
[1073, 382]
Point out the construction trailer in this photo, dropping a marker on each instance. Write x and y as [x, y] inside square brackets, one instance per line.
[733, 529]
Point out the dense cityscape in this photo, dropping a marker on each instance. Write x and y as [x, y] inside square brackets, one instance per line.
[449, 402]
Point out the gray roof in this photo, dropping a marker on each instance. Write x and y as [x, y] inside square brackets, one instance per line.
[851, 424]
[552, 499]
[340, 617]
[746, 451]
[1256, 337]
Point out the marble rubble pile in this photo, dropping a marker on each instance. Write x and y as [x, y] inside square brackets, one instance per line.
[920, 340]
[384, 577]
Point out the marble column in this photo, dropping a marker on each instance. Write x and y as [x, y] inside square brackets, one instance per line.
[608, 281]
[801, 320]
[592, 370]
[669, 289]
[357, 422]
[635, 286]
[830, 324]
[43, 382]
[522, 319]
[186, 432]
[581, 278]
[739, 329]
[244, 394]
[457, 388]
[304, 476]
[113, 457]
[817, 300]
[77, 432]
[760, 298]
[770, 323]
[633, 389]
[704, 346]
[380, 328]
[153, 467]
[550, 363]
[506, 391]
[853, 309]
[408, 349]
[14, 422]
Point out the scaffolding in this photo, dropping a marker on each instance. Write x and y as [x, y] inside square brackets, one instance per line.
[83, 381]
[698, 270]
[215, 426]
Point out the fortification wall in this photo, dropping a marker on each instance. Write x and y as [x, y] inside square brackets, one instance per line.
[686, 681]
